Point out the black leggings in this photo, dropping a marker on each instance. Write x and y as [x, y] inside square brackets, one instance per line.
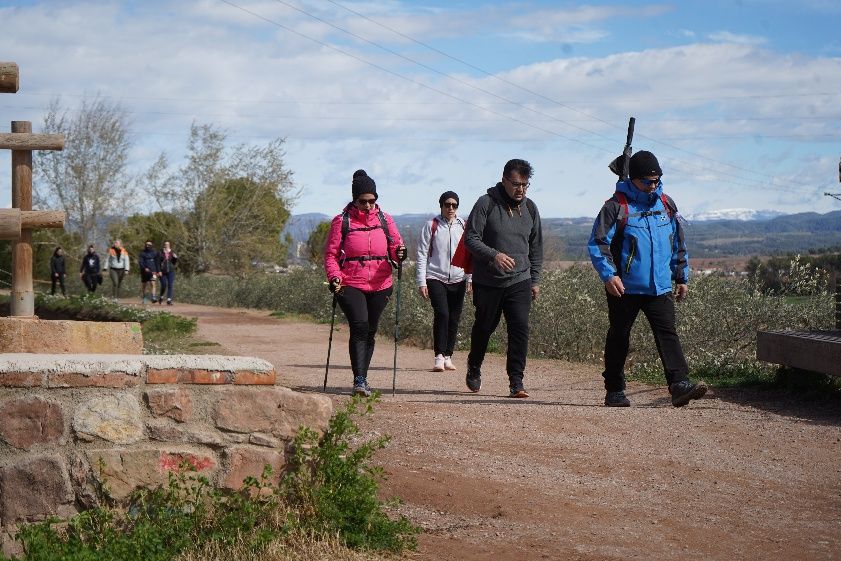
[447, 302]
[363, 311]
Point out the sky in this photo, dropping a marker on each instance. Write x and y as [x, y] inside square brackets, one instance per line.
[739, 100]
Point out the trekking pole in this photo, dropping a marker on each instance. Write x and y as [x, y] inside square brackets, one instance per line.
[620, 165]
[396, 327]
[330, 343]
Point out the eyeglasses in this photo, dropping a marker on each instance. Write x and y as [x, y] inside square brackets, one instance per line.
[649, 182]
[365, 202]
[450, 205]
[518, 185]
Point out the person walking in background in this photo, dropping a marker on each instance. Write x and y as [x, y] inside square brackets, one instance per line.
[90, 271]
[167, 260]
[361, 246]
[148, 262]
[57, 270]
[505, 240]
[439, 281]
[637, 247]
[117, 265]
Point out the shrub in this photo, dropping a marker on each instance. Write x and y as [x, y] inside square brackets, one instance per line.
[335, 488]
[717, 324]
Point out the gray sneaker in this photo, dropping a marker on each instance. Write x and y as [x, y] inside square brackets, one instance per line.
[473, 378]
[684, 391]
[616, 399]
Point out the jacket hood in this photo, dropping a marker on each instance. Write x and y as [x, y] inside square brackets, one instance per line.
[497, 193]
[634, 194]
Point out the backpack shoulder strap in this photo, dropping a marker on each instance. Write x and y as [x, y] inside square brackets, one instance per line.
[532, 207]
[623, 210]
[433, 226]
[669, 205]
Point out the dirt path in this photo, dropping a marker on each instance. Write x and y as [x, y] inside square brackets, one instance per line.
[741, 475]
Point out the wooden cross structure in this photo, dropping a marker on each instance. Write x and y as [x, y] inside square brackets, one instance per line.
[17, 223]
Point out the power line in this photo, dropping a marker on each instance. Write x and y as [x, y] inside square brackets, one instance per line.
[532, 92]
[759, 183]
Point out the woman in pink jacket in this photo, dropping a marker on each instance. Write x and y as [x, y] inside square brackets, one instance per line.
[362, 246]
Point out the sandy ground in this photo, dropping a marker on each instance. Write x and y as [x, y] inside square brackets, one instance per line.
[741, 474]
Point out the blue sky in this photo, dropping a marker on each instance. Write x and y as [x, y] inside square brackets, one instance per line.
[741, 101]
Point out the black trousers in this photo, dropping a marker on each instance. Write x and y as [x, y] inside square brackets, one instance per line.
[660, 313]
[491, 303]
[447, 303]
[91, 281]
[60, 280]
[363, 311]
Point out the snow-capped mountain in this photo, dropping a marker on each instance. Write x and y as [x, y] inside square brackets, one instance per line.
[734, 214]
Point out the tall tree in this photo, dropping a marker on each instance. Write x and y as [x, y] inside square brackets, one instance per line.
[316, 242]
[88, 178]
[235, 202]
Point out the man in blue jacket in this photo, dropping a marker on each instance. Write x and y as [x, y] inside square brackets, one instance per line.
[638, 249]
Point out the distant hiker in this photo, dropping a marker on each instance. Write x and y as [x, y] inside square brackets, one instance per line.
[637, 246]
[361, 246]
[439, 281]
[167, 260]
[117, 265]
[505, 240]
[57, 270]
[148, 262]
[90, 270]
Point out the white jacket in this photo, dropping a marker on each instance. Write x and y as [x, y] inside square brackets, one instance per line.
[437, 266]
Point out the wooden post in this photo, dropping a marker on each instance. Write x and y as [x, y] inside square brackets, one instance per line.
[9, 77]
[23, 296]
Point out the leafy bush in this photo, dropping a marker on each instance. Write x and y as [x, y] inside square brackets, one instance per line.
[717, 324]
[159, 524]
[335, 488]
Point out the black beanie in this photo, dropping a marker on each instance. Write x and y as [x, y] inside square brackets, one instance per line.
[447, 195]
[362, 184]
[643, 163]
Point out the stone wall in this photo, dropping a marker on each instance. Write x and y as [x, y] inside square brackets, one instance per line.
[69, 423]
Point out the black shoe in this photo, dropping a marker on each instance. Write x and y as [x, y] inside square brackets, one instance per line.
[684, 391]
[473, 378]
[616, 399]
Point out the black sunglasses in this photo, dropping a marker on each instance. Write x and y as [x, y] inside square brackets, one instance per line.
[366, 201]
[450, 205]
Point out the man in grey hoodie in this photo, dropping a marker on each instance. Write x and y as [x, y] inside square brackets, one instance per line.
[505, 241]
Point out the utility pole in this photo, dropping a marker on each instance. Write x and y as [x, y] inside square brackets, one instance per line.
[836, 195]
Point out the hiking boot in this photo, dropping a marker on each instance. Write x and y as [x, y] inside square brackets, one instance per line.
[519, 393]
[439, 363]
[361, 388]
[616, 399]
[448, 363]
[169, 301]
[684, 391]
[473, 378]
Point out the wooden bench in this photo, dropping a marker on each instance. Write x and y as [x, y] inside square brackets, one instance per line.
[818, 351]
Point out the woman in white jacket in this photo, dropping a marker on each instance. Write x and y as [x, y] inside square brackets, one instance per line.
[441, 282]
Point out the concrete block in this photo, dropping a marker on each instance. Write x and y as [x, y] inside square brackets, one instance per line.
[25, 335]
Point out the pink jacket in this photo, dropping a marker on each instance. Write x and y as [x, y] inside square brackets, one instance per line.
[367, 276]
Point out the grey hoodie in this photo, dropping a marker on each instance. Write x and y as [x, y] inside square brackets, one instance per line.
[497, 224]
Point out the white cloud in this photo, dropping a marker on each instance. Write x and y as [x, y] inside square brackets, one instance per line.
[208, 62]
[737, 39]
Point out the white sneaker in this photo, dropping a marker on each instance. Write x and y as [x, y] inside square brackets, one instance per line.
[439, 363]
[448, 363]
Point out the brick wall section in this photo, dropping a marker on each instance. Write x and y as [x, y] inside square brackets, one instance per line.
[69, 423]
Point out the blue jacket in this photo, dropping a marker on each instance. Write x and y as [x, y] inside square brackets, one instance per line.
[650, 252]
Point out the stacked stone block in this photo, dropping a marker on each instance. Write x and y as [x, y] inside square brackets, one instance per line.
[70, 424]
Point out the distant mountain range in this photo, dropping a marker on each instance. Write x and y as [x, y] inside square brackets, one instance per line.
[709, 234]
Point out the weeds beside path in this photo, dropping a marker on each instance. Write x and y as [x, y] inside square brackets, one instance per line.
[745, 474]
